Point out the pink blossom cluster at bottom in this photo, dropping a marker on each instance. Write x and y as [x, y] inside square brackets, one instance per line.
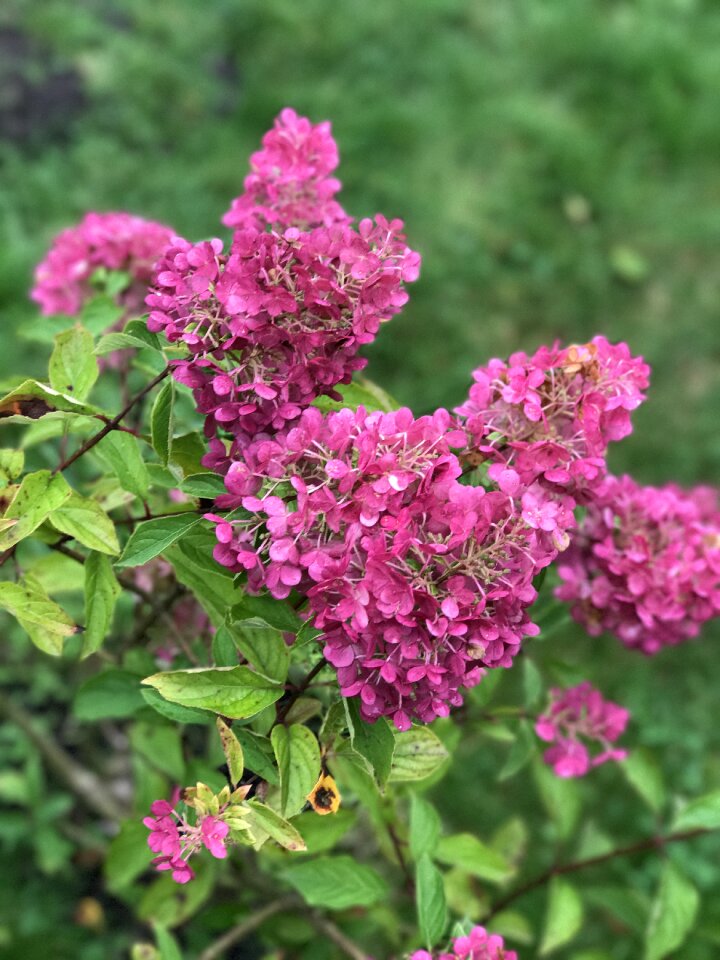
[175, 840]
[477, 945]
[575, 713]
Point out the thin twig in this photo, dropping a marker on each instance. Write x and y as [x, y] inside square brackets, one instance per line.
[299, 690]
[397, 846]
[244, 929]
[641, 846]
[88, 787]
[329, 930]
[111, 424]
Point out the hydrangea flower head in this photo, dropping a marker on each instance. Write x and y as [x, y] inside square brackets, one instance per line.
[645, 563]
[175, 839]
[576, 716]
[115, 241]
[290, 182]
[477, 945]
[549, 417]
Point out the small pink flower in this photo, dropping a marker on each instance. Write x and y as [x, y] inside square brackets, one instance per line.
[213, 832]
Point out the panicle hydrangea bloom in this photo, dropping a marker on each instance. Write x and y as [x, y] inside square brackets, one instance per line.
[175, 840]
[115, 241]
[477, 945]
[548, 418]
[290, 183]
[417, 581]
[575, 713]
[645, 563]
[278, 320]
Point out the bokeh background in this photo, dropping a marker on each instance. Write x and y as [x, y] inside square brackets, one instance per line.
[556, 163]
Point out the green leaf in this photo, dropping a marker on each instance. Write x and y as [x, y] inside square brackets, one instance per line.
[336, 882]
[152, 537]
[276, 827]
[259, 755]
[298, 758]
[128, 855]
[323, 833]
[560, 797]
[374, 741]
[101, 593]
[424, 827]
[32, 400]
[100, 312]
[135, 335]
[213, 590]
[73, 367]
[532, 683]
[161, 745]
[173, 711]
[524, 746]
[234, 692]
[361, 392]
[263, 647]
[430, 901]
[44, 621]
[232, 750]
[197, 548]
[162, 421]
[644, 774]
[418, 753]
[701, 813]
[12, 463]
[466, 851]
[273, 612]
[167, 944]
[37, 496]
[187, 453]
[85, 521]
[111, 694]
[563, 918]
[673, 913]
[205, 486]
[120, 453]
[224, 651]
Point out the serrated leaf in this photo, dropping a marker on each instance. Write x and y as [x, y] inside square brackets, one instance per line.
[151, 537]
[523, 748]
[374, 741]
[173, 711]
[32, 400]
[298, 758]
[127, 855]
[12, 463]
[224, 651]
[161, 745]
[213, 589]
[336, 882]
[361, 392]
[418, 753]
[232, 750]
[430, 901]
[468, 852]
[424, 827]
[162, 421]
[43, 620]
[673, 913]
[701, 813]
[85, 521]
[563, 917]
[73, 368]
[110, 694]
[323, 833]
[277, 828]
[259, 755]
[101, 593]
[205, 486]
[273, 612]
[234, 692]
[644, 774]
[532, 683]
[263, 647]
[120, 453]
[37, 496]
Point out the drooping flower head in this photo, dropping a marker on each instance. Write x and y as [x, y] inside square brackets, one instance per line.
[549, 417]
[115, 241]
[290, 184]
[645, 563]
[417, 581]
[575, 718]
[477, 945]
[278, 320]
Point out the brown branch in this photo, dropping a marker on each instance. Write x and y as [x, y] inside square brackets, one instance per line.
[641, 846]
[111, 424]
[299, 690]
[88, 787]
[397, 846]
[328, 929]
[244, 929]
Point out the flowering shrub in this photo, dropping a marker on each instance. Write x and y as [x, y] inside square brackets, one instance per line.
[330, 584]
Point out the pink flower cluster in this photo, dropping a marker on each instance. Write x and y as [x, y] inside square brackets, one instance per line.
[548, 418]
[115, 241]
[175, 840]
[645, 563]
[417, 581]
[279, 320]
[290, 183]
[477, 945]
[575, 713]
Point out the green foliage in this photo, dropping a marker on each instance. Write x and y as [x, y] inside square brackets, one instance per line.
[673, 913]
[336, 882]
[153, 537]
[430, 899]
[298, 759]
[564, 916]
[73, 367]
[233, 692]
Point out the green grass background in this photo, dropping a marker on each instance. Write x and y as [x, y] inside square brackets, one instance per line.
[556, 163]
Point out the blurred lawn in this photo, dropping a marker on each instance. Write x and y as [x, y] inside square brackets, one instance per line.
[555, 161]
